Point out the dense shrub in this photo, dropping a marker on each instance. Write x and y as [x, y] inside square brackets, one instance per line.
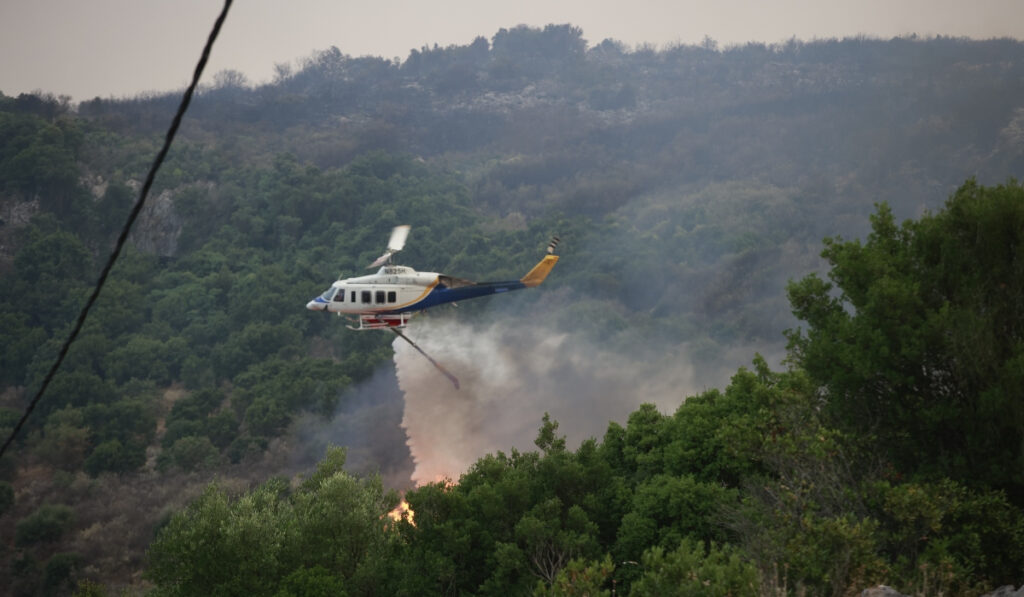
[45, 525]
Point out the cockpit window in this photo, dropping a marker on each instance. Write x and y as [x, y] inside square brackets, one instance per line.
[340, 297]
[328, 294]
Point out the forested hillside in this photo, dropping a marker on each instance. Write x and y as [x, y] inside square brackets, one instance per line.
[688, 184]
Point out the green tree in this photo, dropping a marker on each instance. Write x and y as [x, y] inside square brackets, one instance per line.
[221, 428]
[919, 337]
[179, 428]
[975, 537]
[802, 513]
[112, 456]
[39, 158]
[330, 532]
[65, 440]
[45, 525]
[550, 536]
[513, 520]
[311, 582]
[130, 421]
[667, 509]
[20, 340]
[25, 572]
[88, 588]
[60, 572]
[197, 405]
[691, 570]
[216, 545]
[50, 259]
[113, 207]
[271, 391]
[143, 357]
[192, 453]
[121, 308]
[579, 578]
[76, 388]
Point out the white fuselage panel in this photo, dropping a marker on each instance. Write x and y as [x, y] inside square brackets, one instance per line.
[391, 288]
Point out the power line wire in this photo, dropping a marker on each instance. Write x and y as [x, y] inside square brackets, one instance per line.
[157, 162]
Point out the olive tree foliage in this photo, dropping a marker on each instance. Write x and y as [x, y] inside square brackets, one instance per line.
[917, 337]
[332, 525]
[693, 570]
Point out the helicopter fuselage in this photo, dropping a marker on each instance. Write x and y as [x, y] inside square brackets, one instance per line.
[389, 298]
[400, 289]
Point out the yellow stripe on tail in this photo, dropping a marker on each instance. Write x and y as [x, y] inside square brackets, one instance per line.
[539, 271]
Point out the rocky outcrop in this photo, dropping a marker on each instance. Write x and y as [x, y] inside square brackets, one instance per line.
[884, 591]
[881, 591]
[15, 214]
[1006, 591]
[158, 227]
[96, 184]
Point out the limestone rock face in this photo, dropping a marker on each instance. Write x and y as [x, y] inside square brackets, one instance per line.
[1006, 591]
[15, 214]
[158, 227]
[884, 591]
[881, 591]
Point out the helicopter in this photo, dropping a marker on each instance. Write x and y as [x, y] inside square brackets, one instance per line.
[388, 299]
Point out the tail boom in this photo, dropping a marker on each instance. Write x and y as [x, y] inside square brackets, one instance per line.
[539, 272]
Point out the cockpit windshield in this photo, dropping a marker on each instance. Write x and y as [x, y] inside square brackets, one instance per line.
[329, 294]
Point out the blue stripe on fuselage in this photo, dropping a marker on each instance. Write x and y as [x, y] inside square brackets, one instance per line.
[442, 294]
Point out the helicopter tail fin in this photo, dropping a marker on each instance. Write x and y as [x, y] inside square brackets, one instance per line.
[540, 271]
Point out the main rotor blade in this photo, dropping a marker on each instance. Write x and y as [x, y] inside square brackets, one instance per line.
[380, 260]
[398, 236]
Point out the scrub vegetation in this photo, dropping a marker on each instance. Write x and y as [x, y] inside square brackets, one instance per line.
[691, 186]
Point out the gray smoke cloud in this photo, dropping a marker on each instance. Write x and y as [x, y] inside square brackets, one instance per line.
[691, 287]
[366, 423]
[511, 373]
[680, 304]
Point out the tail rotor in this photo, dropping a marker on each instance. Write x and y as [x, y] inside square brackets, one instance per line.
[551, 245]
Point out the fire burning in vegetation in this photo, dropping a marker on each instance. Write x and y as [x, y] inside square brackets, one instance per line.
[512, 373]
[402, 511]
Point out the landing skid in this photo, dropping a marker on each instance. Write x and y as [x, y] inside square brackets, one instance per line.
[450, 377]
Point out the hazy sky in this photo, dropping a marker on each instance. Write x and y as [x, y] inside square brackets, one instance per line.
[88, 48]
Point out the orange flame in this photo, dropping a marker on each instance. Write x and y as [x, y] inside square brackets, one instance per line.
[402, 511]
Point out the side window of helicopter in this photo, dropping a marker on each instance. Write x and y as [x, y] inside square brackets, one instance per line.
[340, 297]
[380, 297]
[352, 298]
[366, 296]
[392, 296]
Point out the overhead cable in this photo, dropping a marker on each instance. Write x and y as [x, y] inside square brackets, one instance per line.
[157, 162]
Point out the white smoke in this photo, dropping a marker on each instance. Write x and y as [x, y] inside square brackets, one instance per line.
[511, 374]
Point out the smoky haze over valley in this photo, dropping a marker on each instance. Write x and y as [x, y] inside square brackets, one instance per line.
[122, 48]
[689, 183]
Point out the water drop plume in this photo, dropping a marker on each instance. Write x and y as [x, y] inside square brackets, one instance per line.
[511, 374]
